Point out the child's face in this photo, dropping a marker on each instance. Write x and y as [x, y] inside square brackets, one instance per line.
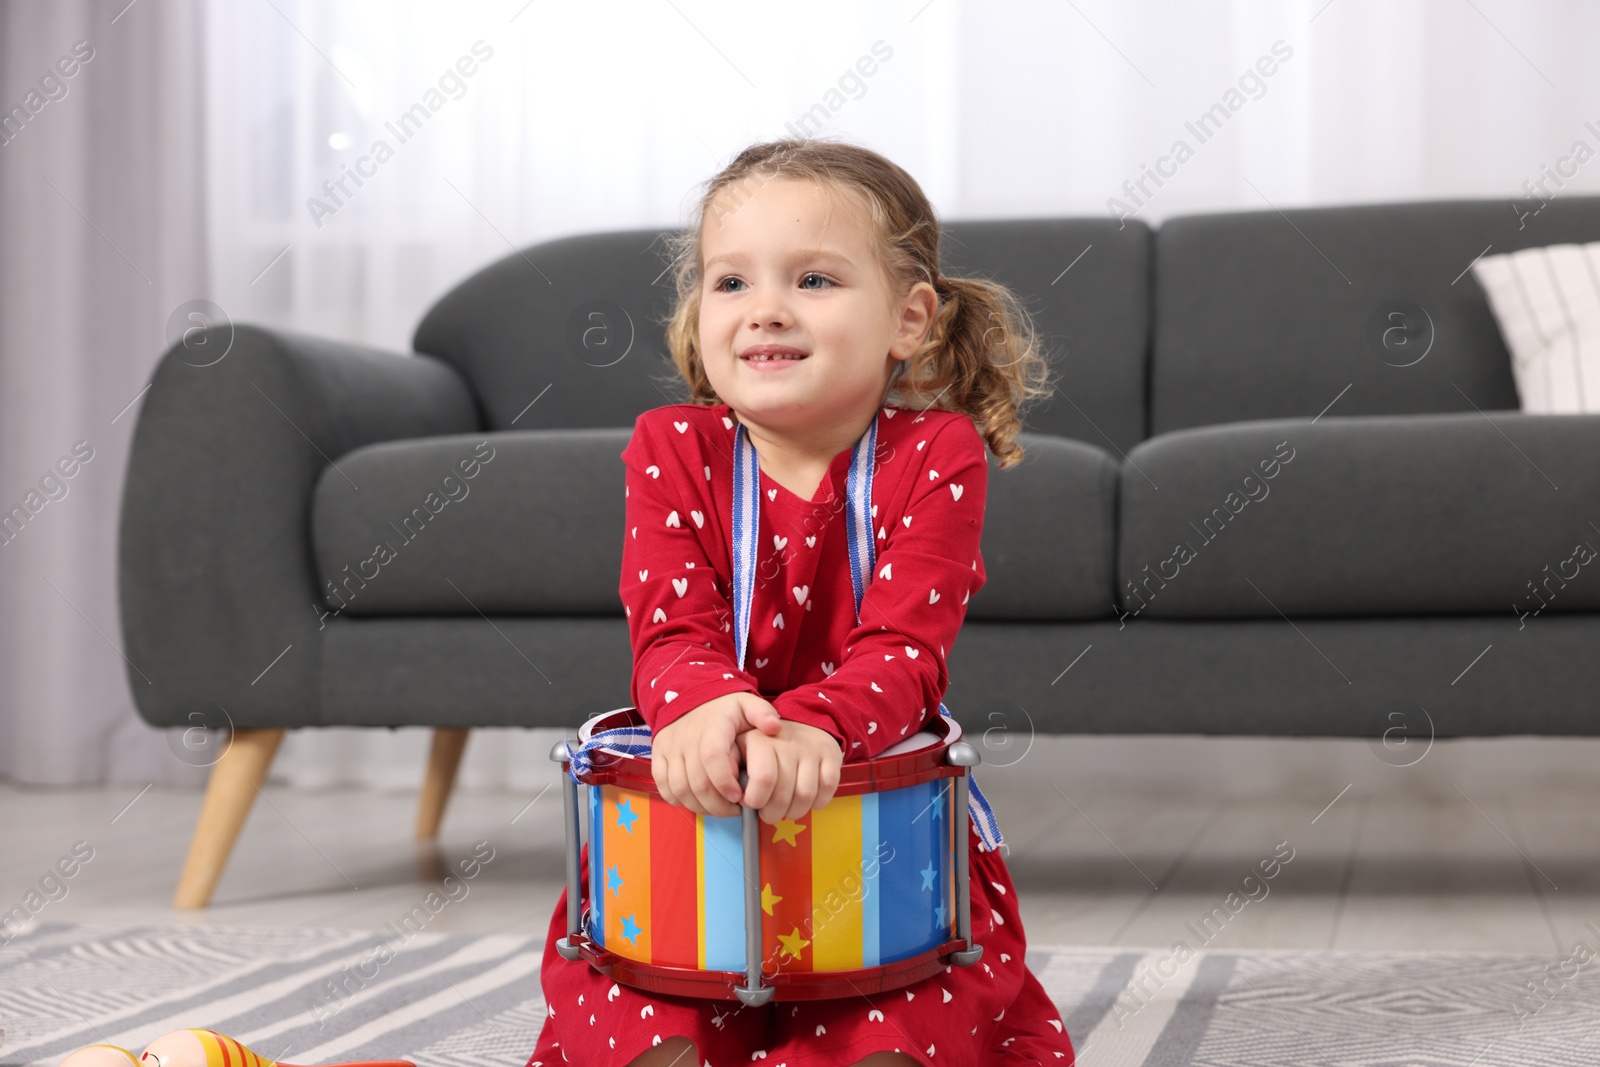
[777, 270]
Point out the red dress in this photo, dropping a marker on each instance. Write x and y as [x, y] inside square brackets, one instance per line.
[868, 684]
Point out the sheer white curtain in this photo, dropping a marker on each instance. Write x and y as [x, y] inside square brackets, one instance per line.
[531, 120]
[101, 238]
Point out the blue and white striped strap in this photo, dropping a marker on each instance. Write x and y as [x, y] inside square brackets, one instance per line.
[628, 740]
[978, 804]
[863, 557]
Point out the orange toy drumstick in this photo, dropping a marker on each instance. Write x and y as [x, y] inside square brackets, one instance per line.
[207, 1048]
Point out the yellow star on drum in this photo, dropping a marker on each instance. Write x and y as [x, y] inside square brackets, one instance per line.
[786, 830]
[768, 898]
[793, 943]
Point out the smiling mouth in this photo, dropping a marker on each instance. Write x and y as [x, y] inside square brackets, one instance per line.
[772, 359]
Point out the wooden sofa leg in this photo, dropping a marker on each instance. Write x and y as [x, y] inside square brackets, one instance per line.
[444, 759]
[229, 795]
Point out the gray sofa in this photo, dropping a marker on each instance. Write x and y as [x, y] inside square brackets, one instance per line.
[1282, 489]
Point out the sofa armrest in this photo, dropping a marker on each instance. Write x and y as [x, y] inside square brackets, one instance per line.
[216, 579]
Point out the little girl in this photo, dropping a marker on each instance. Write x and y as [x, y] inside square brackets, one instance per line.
[816, 336]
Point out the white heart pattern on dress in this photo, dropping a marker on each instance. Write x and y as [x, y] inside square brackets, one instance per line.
[681, 585]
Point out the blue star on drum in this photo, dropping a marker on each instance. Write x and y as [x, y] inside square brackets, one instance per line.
[626, 814]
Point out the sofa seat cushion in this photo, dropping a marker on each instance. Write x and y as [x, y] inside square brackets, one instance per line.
[1487, 512]
[531, 523]
[1049, 530]
[498, 523]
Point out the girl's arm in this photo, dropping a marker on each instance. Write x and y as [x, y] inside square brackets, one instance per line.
[680, 623]
[928, 565]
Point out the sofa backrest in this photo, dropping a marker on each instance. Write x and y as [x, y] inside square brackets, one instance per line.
[573, 326]
[1272, 314]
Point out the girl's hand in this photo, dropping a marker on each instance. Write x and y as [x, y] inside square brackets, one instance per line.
[792, 771]
[694, 759]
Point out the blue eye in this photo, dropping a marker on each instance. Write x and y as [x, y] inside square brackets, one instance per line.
[720, 285]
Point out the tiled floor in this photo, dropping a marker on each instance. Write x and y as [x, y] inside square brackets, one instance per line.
[1140, 852]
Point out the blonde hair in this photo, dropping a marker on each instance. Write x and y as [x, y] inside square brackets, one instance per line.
[982, 355]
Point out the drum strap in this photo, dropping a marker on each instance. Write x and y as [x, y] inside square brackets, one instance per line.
[635, 740]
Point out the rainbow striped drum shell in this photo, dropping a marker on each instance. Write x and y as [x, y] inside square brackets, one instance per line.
[860, 896]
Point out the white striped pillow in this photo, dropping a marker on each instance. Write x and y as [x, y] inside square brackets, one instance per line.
[1547, 303]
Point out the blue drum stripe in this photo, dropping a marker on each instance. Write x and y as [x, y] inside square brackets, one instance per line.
[944, 877]
[954, 837]
[871, 897]
[723, 877]
[905, 820]
[597, 877]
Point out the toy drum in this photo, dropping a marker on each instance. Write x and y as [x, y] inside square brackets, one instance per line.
[864, 895]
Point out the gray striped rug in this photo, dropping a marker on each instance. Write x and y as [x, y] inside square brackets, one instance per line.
[453, 1000]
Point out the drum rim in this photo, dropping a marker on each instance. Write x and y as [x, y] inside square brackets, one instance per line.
[788, 985]
[877, 774]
